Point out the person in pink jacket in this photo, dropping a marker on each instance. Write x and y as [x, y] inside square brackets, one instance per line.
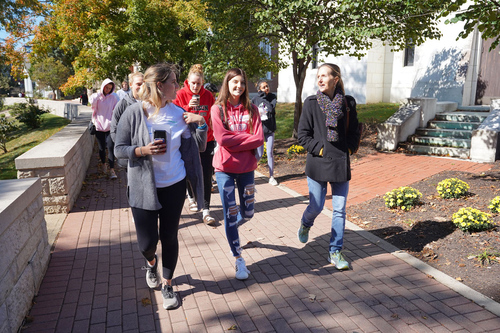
[238, 132]
[103, 103]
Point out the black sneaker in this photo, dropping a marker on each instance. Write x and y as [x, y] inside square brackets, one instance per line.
[169, 298]
[152, 276]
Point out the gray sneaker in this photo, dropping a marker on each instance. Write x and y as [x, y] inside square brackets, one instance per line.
[169, 298]
[152, 276]
[337, 259]
[303, 233]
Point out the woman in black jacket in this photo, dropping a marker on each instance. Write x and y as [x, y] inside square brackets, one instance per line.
[266, 102]
[324, 134]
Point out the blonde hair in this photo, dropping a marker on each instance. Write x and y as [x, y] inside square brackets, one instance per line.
[197, 69]
[149, 91]
[335, 71]
[132, 76]
[244, 99]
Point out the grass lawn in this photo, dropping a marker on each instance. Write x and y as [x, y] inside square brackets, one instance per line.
[24, 139]
[367, 113]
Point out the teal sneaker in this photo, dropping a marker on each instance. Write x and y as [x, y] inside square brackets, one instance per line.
[303, 233]
[337, 259]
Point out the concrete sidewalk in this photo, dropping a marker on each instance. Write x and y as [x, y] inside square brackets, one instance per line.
[95, 283]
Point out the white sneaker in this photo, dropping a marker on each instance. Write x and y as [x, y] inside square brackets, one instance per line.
[241, 269]
[273, 181]
[152, 276]
[112, 174]
[169, 298]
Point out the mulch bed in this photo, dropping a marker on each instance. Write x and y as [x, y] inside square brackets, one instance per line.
[427, 231]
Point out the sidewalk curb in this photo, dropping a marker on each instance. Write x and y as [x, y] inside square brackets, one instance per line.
[439, 276]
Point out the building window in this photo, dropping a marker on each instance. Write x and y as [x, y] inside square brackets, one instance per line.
[315, 54]
[409, 55]
[266, 47]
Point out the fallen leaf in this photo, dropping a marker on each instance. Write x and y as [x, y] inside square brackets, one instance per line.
[394, 315]
[459, 279]
[233, 328]
[461, 265]
[312, 297]
[146, 301]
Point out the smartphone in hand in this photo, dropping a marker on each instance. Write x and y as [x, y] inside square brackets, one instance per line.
[160, 135]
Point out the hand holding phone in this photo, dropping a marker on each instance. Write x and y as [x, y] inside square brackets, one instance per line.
[160, 141]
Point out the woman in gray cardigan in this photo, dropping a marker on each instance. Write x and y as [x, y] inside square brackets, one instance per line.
[324, 134]
[162, 144]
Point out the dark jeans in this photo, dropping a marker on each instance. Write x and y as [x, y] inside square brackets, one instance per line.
[146, 225]
[206, 163]
[103, 141]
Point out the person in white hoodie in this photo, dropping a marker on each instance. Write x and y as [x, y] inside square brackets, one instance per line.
[103, 103]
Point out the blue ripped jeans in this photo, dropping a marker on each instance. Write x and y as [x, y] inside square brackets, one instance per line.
[233, 215]
[317, 195]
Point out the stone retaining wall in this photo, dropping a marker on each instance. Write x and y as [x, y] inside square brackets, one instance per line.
[24, 247]
[61, 162]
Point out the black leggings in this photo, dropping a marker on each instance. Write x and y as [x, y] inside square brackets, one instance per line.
[146, 225]
[208, 170]
[103, 141]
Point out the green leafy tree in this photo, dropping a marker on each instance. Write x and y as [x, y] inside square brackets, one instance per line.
[483, 14]
[6, 127]
[346, 27]
[28, 113]
[50, 73]
[105, 38]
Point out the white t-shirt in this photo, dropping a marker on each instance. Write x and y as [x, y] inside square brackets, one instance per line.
[169, 167]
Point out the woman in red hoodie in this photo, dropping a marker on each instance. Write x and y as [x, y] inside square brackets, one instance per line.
[238, 131]
[193, 97]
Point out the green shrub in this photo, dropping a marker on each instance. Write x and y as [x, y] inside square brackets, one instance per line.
[28, 113]
[263, 159]
[494, 205]
[404, 197]
[6, 127]
[295, 150]
[471, 219]
[452, 188]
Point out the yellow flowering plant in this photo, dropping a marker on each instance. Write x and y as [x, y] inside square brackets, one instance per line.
[404, 198]
[494, 205]
[295, 150]
[452, 188]
[471, 219]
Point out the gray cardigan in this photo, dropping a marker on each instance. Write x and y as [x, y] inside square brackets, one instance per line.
[120, 107]
[133, 132]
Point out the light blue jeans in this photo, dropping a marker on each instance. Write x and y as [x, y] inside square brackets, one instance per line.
[317, 195]
[233, 215]
[269, 140]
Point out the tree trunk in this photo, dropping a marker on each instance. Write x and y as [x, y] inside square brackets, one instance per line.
[299, 75]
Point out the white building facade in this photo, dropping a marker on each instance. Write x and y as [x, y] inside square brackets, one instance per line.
[446, 69]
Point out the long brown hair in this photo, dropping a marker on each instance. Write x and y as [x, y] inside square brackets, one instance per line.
[149, 91]
[335, 71]
[244, 99]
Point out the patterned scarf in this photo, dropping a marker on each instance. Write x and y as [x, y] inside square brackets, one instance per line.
[333, 112]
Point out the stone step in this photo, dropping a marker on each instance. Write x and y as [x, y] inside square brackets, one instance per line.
[443, 124]
[461, 116]
[474, 108]
[440, 151]
[444, 133]
[440, 141]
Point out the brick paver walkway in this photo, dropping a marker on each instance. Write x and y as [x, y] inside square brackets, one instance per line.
[95, 283]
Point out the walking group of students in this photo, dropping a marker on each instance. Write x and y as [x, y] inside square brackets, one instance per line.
[175, 139]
